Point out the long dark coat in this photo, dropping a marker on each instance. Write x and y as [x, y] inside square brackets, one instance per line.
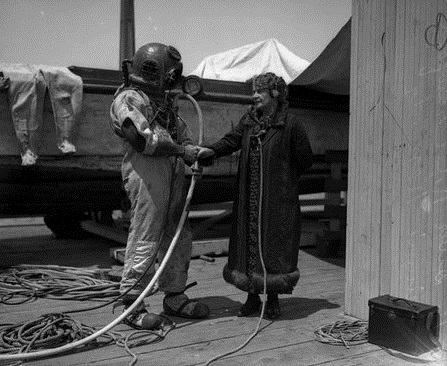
[286, 154]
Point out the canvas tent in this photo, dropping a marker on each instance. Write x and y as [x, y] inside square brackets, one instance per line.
[241, 64]
[329, 73]
[322, 84]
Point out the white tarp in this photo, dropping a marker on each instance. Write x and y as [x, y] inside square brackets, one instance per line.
[241, 64]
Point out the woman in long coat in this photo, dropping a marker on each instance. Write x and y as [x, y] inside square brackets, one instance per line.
[274, 152]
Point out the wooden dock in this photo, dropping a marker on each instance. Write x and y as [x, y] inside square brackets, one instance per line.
[317, 300]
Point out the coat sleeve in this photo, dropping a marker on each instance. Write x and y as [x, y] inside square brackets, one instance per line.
[130, 107]
[302, 151]
[230, 142]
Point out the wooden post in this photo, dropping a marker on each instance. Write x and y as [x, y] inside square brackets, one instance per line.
[127, 30]
[397, 196]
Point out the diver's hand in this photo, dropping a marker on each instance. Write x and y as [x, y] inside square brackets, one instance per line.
[190, 155]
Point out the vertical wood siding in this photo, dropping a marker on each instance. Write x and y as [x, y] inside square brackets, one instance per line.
[397, 188]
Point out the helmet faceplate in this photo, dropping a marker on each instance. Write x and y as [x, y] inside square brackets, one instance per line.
[158, 64]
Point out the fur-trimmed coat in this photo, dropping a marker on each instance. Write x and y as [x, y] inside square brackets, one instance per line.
[286, 154]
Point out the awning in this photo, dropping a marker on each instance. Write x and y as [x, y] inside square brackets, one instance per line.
[330, 72]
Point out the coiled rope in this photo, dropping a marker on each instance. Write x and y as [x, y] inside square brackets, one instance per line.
[343, 333]
[49, 330]
[54, 329]
[25, 283]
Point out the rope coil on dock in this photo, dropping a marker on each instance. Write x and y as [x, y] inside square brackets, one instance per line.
[343, 333]
[24, 283]
[46, 331]
[55, 329]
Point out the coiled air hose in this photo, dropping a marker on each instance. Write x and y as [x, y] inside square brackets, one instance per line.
[149, 287]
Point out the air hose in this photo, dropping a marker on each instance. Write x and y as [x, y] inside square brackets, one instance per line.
[149, 287]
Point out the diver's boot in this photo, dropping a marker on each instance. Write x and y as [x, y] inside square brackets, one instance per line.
[140, 318]
[178, 304]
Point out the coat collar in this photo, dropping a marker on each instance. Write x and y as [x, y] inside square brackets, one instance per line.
[271, 126]
[277, 121]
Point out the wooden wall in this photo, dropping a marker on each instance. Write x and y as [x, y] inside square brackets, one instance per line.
[397, 192]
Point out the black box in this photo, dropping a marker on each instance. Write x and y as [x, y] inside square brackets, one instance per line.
[403, 325]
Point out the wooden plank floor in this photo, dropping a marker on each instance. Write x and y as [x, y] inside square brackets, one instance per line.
[288, 341]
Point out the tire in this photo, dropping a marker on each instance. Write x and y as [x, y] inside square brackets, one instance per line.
[65, 225]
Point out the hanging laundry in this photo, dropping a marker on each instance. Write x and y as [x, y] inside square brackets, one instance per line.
[65, 90]
[26, 94]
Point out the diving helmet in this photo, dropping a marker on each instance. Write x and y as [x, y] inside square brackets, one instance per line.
[158, 65]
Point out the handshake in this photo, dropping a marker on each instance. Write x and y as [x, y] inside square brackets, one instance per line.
[203, 155]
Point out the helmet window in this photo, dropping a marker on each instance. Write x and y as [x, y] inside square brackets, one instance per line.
[150, 70]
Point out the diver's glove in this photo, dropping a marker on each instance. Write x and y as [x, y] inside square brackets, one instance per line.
[190, 154]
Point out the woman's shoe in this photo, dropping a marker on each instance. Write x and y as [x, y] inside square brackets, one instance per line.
[251, 306]
[272, 310]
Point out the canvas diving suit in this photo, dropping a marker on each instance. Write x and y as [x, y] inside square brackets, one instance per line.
[154, 182]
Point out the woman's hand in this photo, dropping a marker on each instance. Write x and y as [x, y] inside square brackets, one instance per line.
[205, 156]
[204, 152]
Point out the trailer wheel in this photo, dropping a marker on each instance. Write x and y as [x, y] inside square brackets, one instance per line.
[65, 225]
